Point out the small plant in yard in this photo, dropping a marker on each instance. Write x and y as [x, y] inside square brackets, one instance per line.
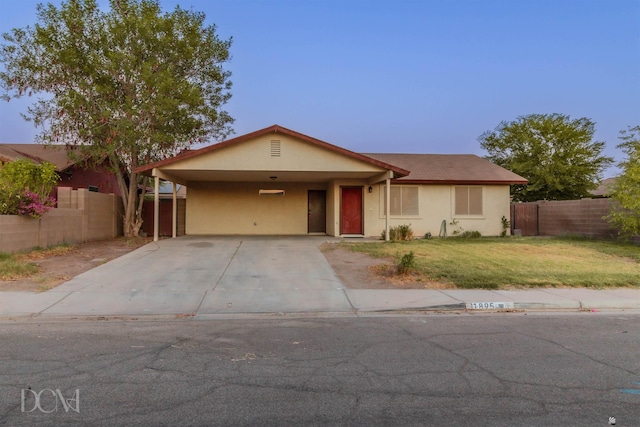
[404, 232]
[458, 230]
[407, 263]
[471, 234]
[506, 225]
[392, 234]
[400, 232]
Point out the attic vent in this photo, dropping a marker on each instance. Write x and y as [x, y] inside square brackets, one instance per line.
[275, 148]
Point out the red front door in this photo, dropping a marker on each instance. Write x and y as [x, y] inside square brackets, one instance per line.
[351, 211]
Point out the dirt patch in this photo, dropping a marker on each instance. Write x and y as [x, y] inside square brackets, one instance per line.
[58, 266]
[361, 271]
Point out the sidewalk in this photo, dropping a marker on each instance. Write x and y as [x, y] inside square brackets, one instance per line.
[52, 304]
[207, 276]
[480, 300]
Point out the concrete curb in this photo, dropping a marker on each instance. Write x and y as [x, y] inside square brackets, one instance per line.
[55, 305]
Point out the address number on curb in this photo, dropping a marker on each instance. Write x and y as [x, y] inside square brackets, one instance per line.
[489, 305]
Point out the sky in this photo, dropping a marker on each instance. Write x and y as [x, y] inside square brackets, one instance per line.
[411, 76]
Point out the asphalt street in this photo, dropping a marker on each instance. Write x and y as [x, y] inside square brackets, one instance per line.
[437, 369]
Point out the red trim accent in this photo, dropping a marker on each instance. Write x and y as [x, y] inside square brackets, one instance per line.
[454, 181]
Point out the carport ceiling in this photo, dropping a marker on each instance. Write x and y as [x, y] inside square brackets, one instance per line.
[265, 176]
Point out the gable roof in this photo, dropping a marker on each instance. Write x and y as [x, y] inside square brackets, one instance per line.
[449, 169]
[275, 129]
[56, 154]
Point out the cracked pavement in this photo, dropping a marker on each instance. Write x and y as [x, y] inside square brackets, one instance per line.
[510, 369]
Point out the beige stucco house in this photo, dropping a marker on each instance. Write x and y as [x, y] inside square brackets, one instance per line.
[276, 181]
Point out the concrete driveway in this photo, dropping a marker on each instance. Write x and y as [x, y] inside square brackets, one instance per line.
[202, 275]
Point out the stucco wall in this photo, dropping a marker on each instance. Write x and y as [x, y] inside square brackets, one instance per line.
[255, 155]
[437, 204]
[237, 208]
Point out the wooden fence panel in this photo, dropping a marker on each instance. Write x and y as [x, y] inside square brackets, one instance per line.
[524, 217]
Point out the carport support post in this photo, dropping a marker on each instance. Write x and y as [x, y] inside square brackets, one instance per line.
[174, 214]
[387, 208]
[156, 208]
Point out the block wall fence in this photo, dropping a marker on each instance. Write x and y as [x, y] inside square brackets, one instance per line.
[81, 216]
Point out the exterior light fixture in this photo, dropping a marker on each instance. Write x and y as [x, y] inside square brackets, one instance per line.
[370, 189]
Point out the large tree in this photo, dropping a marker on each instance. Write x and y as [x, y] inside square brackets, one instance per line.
[132, 85]
[625, 214]
[555, 153]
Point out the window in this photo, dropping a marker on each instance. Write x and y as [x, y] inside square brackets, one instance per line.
[404, 201]
[468, 200]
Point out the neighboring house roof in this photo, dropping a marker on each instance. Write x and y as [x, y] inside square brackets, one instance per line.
[449, 169]
[269, 130]
[605, 187]
[38, 153]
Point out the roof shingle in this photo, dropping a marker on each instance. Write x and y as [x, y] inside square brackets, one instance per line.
[38, 153]
[448, 169]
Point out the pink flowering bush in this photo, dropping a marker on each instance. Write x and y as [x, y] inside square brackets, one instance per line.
[30, 204]
[25, 187]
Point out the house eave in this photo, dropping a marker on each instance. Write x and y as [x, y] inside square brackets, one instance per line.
[455, 182]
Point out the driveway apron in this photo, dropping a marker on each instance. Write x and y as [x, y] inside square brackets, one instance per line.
[277, 275]
[208, 275]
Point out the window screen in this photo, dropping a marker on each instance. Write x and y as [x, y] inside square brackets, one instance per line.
[468, 200]
[404, 201]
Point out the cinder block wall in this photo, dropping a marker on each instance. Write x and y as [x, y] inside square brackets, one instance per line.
[81, 216]
[584, 217]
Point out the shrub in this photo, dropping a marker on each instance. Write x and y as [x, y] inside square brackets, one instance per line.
[400, 232]
[407, 263]
[25, 188]
[404, 232]
[31, 205]
[506, 225]
[471, 234]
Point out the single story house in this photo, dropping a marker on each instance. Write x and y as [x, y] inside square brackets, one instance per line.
[276, 181]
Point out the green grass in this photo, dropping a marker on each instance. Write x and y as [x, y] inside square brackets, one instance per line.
[12, 267]
[20, 265]
[499, 263]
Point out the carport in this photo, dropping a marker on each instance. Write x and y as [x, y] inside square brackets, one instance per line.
[275, 181]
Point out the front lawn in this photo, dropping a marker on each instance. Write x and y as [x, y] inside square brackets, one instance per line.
[501, 263]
